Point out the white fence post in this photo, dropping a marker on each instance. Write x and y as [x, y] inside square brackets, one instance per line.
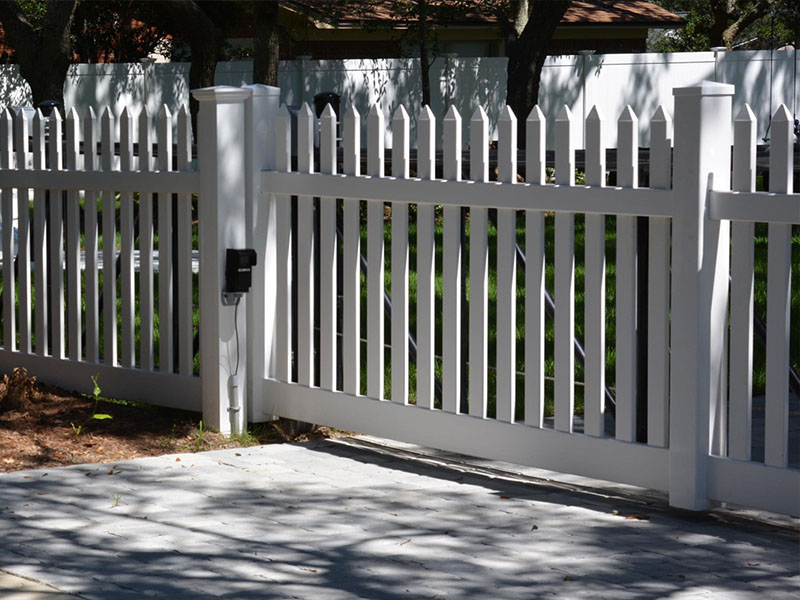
[221, 162]
[261, 111]
[700, 248]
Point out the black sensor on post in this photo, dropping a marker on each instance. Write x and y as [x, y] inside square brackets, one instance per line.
[239, 265]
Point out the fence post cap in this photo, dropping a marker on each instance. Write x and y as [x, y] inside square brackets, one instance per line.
[706, 88]
[259, 89]
[222, 94]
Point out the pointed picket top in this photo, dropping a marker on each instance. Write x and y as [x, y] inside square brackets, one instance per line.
[73, 138]
[56, 115]
[746, 115]
[375, 141]
[536, 115]
[126, 140]
[327, 140]
[283, 139]
[565, 148]
[595, 157]
[781, 145]
[506, 114]
[106, 115]
[401, 142]
[328, 111]
[401, 114]
[164, 112]
[89, 141]
[306, 121]
[55, 134]
[452, 145]
[184, 139]
[352, 114]
[594, 115]
[782, 115]
[38, 140]
[535, 150]
[375, 111]
[627, 115]
[507, 146]
[661, 116]
[426, 143]
[452, 114]
[21, 122]
[628, 148]
[479, 145]
[426, 114]
[479, 116]
[6, 143]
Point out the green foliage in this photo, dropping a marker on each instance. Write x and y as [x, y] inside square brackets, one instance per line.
[764, 25]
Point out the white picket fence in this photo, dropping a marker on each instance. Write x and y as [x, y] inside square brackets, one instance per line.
[68, 290]
[699, 424]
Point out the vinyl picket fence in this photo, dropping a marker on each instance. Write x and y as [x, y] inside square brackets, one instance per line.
[310, 341]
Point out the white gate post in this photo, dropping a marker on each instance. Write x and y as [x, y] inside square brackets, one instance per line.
[261, 111]
[221, 162]
[700, 255]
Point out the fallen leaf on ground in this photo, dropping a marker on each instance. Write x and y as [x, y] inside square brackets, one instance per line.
[534, 528]
[638, 518]
[753, 564]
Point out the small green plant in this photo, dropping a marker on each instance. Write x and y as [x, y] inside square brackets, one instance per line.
[117, 500]
[198, 441]
[77, 430]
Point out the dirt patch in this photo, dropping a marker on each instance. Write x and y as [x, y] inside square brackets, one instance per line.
[45, 426]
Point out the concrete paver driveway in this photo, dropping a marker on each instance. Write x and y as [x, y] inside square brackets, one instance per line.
[351, 519]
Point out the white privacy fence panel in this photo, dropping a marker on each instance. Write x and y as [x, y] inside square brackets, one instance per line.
[79, 281]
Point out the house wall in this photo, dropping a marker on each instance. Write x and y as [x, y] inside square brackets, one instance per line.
[645, 81]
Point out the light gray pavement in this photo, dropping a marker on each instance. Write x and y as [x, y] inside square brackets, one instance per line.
[355, 519]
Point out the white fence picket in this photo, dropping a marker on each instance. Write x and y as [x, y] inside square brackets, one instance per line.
[564, 396]
[166, 354]
[627, 176]
[56, 231]
[7, 207]
[24, 238]
[351, 256]
[451, 270]
[107, 139]
[740, 394]
[73, 242]
[306, 121]
[506, 272]
[146, 282]
[375, 257]
[400, 169]
[658, 287]
[595, 285]
[283, 301]
[779, 296]
[535, 133]
[90, 233]
[183, 223]
[327, 255]
[127, 343]
[426, 255]
[478, 270]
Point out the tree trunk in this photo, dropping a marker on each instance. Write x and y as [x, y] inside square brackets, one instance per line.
[526, 56]
[267, 43]
[424, 65]
[43, 56]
